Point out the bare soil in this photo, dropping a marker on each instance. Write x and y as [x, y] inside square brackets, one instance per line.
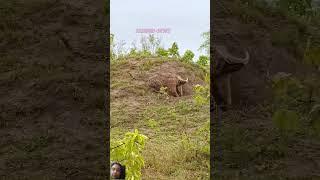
[53, 90]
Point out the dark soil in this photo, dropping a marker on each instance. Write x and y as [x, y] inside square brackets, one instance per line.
[53, 90]
[250, 145]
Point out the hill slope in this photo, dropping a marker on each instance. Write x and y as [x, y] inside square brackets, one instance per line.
[175, 149]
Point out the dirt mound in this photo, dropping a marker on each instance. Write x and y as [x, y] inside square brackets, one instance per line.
[177, 68]
[172, 82]
[136, 74]
[130, 91]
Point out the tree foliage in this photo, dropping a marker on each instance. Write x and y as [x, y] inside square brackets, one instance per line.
[203, 60]
[206, 43]
[299, 7]
[150, 43]
[174, 50]
[162, 52]
[188, 56]
[112, 46]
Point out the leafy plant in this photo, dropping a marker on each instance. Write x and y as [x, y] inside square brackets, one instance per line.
[204, 133]
[206, 43]
[145, 53]
[203, 60]
[133, 52]
[150, 43]
[117, 49]
[162, 52]
[120, 49]
[153, 124]
[174, 50]
[154, 43]
[128, 152]
[163, 93]
[112, 47]
[188, 56]
[202, 93]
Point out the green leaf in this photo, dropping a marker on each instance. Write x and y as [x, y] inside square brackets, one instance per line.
[130, 153]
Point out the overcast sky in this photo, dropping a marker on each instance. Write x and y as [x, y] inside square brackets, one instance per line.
[186, 20]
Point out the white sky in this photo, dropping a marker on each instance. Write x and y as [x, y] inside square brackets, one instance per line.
[186, 19]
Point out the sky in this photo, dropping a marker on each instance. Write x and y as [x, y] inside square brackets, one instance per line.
[183, 20]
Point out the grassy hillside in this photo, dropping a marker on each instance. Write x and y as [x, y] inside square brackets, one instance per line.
[177, 127]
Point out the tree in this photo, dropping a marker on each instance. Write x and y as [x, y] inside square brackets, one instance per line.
[203, 60]
[144, 44]
[174, 50]
[206, 43]
[150, 43]
[188, 56]
[154, 43]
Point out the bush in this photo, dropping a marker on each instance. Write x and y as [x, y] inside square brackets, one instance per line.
[203, 60]
[128, 152]
[188, 56]
[206, 43]
[202, 93]
[162, 52]
[174, 50]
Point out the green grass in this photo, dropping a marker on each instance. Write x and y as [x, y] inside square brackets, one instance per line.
[178, 129]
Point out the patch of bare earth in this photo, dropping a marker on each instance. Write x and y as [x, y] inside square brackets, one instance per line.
[53, 121]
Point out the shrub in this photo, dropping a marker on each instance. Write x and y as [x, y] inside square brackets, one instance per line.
[128, 152]
[188, 56]
[174, 50]
[162, 52]
[203, 60]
